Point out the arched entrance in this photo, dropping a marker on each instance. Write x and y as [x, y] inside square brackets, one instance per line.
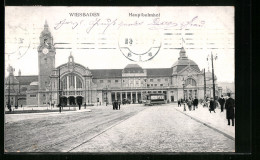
[63, 101]
[79, 100]
[72, 100]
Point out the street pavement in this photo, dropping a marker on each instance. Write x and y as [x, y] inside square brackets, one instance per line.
[216, 120]
[159, 129]
[134, 128]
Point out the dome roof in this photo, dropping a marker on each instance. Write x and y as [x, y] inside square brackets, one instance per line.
[184, 61]
[133, 68]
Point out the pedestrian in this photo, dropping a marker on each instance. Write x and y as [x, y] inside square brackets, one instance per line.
[114, 105]
[79, 106]
[85, 105]
[189, 103]
[230, 109]
[179, 103]
[119, 104]
[211, 105]
[195, 103]
[221, 102]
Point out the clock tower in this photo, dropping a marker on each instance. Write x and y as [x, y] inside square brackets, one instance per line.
[46, 61]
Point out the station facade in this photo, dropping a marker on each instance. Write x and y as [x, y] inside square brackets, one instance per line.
[78, 84]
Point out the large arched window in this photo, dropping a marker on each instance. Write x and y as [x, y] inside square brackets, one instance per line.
[71, 82]
[191, 82]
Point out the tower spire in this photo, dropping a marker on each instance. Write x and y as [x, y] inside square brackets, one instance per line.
[183, 54]
[46, 26]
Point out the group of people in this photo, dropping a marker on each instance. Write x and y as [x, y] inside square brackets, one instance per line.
[190, 102]
[116, 105]
[228, 104]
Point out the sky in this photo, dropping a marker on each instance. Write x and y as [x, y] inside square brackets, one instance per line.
[97, 40]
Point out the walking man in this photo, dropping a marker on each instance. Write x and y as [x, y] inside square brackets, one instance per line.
[212, 105]
[119, 104]
[189, 103]
[230, 108]
[222, 102]
[79, 106]
[195, 103]
[179, 103]
[114, 105]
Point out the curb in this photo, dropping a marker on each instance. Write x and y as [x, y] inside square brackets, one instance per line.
[215, 129]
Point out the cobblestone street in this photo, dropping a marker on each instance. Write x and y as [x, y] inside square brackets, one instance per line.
[134, 128]
[159, 129]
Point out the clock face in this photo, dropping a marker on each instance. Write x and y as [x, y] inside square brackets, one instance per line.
[45, 50]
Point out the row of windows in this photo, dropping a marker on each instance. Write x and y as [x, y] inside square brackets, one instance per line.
[158, 80]
[109, 81]
[148, 85]
[151, 80]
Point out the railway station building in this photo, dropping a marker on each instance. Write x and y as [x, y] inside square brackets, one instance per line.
[79, 84]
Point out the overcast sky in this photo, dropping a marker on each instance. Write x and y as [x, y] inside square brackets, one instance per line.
[203, 30]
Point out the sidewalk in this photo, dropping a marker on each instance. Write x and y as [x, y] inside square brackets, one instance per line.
[216, 121]
[9, 118]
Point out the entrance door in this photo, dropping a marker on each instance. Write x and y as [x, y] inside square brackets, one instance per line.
[79, 100]
[172, 98]
[63, 101]
[72, 100]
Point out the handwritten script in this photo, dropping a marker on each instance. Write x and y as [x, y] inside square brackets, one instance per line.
[103, 25]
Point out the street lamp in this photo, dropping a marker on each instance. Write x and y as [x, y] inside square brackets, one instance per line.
[59, 92]
[183, 84]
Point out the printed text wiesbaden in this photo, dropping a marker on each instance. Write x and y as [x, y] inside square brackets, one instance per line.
[84, 14]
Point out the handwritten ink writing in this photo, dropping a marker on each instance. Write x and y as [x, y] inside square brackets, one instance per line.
[64, 22]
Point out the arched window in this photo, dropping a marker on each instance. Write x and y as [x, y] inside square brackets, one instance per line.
[191, 82]
[68, 82]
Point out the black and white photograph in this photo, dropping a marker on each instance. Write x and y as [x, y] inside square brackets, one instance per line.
[119, 79]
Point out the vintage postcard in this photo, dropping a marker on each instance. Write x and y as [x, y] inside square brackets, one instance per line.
[119, 79]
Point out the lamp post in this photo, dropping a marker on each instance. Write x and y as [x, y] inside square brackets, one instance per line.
[205, 85]
[183, 84]
[8, 104]
[59, 92]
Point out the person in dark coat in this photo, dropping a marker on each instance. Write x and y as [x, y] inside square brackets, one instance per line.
[118, 103]
[195, 103]
[79, 106]
[189, 103]
[230, 109]
[221, 102]
[179, 103]
[211, 105]
[114, 105]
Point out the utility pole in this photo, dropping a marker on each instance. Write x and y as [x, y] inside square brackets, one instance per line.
[9, 106]
[213, 77]
[59, 92]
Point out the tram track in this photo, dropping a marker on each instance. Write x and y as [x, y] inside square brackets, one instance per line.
[114, 122]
